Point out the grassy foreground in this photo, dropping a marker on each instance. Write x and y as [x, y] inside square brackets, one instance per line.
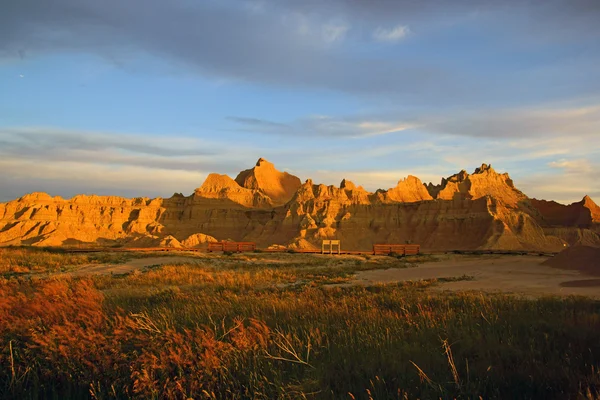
[275, 331]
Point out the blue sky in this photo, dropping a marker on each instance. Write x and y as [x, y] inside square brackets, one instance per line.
[146, 97]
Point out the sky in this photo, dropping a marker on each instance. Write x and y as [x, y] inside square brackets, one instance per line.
[147, 97]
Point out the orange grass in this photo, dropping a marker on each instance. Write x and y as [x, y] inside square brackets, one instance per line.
[179, 332]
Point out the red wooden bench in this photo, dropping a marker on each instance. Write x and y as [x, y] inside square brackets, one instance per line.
[402, 249]
[236, 247]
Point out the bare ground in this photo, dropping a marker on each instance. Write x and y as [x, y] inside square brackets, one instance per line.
[490, 273]
[503, 273]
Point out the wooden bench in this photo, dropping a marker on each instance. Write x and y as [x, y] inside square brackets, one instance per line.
[236, 247]
[400, 249]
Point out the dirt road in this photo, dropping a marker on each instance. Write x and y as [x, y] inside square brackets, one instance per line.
[131, 265]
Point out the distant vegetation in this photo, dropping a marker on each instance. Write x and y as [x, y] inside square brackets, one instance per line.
[28, 260]
[237, 330]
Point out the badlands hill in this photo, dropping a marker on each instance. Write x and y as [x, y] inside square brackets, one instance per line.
[482, 210]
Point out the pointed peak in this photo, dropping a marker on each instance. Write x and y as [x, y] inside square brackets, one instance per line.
[587, 201]
[483, 168]
[263, 162]
[346, 184]
[593, 207]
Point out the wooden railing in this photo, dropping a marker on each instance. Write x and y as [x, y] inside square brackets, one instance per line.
[236, 247]
[400, 249]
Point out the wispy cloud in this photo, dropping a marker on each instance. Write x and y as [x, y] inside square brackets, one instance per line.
[68, 162]
[540, 122]
[577, 166]
[323, 125]
[394, 34]
[259, 123]
[529, 121]
[68, 178]
[49, 140]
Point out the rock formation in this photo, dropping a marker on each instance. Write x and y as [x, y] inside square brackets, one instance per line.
[408, 190]
[482, 210]
[574, 223]
[483, 182]
[278, 186]
[222, 187]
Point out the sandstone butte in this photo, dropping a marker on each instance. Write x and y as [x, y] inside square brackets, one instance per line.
[482, 210]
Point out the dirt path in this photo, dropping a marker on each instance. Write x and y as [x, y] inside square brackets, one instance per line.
[131, 265]
[508, 274]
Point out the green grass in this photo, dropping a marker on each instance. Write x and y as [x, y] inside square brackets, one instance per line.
[243, 328]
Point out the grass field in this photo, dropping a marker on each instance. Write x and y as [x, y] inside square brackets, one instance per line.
[250, 327]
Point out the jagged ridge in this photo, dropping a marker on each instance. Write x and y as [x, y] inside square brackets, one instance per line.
[466, 211]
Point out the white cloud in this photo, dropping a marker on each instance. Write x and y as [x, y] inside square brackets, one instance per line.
[541, 121]
[324, 126]
[561, 167]
[67, 178]
[391, 35]
[67, 162]
[565, 188]
[573, 166]
[317, 31]
[332, 126]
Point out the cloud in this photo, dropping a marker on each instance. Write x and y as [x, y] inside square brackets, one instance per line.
[538, 121]
[391, 35]
[263, 42]
[66, 162]
[209, 38]
[542, 122]
[48, 140]
[578, 166]
[69, 162]
[68, 178]
[259, 123]
[566, 186]
[323, 126]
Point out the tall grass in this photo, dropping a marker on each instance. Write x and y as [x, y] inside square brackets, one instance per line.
[21, 260]
[205, 332]
[30, 260]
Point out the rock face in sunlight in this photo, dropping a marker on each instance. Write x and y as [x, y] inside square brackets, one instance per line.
[482, 210]
[222, 187]
[278, 186]
[483, 182]
[408, 190]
